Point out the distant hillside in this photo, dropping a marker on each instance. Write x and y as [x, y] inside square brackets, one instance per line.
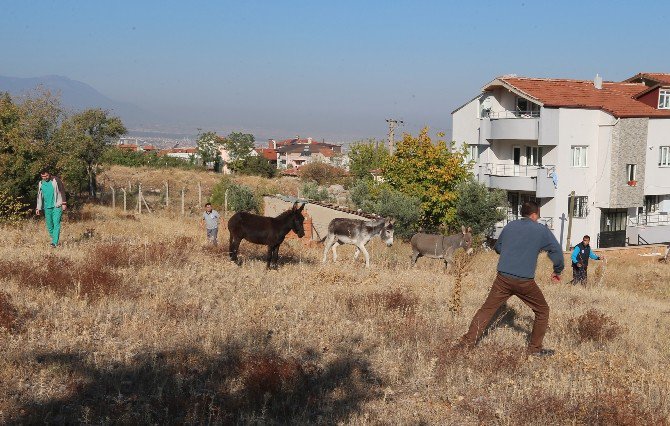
[76, 95]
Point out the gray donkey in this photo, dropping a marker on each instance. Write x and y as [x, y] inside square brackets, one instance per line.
[357, 232]
[440, 246]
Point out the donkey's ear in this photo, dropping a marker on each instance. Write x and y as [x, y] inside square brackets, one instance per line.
[301, 207]
[469, 229]
[463, 229]
[295, 206]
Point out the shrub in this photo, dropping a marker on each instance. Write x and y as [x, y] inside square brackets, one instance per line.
[383, 200]
[12, 209]
[321, 173]
[312, 191]
[595, 326]
[478, 207]
[240, 198]
[257, 166]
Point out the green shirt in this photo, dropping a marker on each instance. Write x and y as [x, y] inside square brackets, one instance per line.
[48, 197]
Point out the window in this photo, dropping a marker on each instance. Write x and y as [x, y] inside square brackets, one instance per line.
[579, 156]
[664, 99]
[581, 208]
[525, 108]
[630, 172]
[664, 156]
[651, 203]
[534, 155]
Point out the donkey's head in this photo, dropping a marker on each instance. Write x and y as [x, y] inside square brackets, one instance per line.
[466, 242]
[387, 231]
[297, 220]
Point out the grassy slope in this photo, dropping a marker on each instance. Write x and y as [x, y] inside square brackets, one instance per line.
[173, 332]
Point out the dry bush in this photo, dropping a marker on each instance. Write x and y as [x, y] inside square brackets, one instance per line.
[64, 277]
[112, 255]
[123, 255]
[595, 326]
[179, 311]
[390, 300]
[9, 315]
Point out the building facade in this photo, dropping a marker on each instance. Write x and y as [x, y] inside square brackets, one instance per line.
[609, 142]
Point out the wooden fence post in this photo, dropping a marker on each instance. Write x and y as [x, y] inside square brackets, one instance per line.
[167, 195]
[199, 194]
[139, 198]
[225, 204]
[182, 201]
[113, 197]
[124, 199]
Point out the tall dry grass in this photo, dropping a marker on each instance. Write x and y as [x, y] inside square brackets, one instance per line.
[171, 332]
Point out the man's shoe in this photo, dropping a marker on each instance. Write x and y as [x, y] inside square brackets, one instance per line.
[542, 353]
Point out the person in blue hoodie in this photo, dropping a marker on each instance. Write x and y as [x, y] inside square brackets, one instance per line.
[580, 261]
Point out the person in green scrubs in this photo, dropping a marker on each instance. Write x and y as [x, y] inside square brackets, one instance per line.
[51, 201]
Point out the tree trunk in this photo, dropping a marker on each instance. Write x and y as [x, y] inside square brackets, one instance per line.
[91, 181]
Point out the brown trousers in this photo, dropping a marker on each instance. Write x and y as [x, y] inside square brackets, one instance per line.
[503, 288]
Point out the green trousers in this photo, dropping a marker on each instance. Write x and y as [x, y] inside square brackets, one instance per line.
[52, 217]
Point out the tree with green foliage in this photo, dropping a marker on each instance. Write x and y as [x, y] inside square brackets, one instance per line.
[256, 165]
[431, 172]
[365, 156]
[479, 207]
[28, 142]
[209, 144]
[87, 135]
[239, 146]
[385, 201]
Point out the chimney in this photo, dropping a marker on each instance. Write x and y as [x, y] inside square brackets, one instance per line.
[598, 82]
[272, 143]
[309, 140]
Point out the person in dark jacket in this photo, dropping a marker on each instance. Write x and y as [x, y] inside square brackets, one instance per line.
[580, 261]
[519, 244]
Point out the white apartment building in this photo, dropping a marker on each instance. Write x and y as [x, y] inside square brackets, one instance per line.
[609, 142]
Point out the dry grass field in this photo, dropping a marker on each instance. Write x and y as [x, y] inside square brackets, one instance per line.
[143, 323]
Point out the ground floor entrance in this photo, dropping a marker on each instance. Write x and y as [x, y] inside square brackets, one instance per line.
[612, 228]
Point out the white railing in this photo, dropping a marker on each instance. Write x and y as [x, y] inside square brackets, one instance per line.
[652, 219]
[496, 169]
[510, 114]
[546, 221]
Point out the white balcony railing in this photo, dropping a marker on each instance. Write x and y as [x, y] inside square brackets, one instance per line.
[652, 219]
[546, 221]
[510, 114]
[497, 169]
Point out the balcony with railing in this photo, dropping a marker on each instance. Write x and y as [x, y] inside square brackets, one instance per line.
[546, 221]
[519, 125]
[516, 177]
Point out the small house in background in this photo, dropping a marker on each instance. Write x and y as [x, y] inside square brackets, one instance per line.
[186, 154]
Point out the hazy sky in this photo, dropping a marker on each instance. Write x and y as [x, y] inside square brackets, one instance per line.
[326, 69]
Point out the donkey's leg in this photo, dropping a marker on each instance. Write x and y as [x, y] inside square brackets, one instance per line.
[415, 256]
[362, 248]
[275, 255]
[357, 253]
[336, 244]
[271, 252]
[326, 246]
[233, 247]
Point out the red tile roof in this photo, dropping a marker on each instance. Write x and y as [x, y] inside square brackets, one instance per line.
[658, 77]
[268, 153]
[614, 98]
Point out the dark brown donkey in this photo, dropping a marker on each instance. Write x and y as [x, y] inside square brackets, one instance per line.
[269, 231]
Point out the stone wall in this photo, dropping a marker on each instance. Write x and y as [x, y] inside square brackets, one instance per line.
[629, 146]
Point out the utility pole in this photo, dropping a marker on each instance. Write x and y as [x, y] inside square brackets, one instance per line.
[393, 123]
[571, 208]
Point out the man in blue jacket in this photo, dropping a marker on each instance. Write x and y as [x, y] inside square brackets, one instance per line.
[519, 244]
[580, 261]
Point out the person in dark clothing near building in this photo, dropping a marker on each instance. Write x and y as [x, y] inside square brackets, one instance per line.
[580, 261]
[519, 244]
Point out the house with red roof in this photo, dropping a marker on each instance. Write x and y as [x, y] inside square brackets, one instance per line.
[296, 152]
[605, 142]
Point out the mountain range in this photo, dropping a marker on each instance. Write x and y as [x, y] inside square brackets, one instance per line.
[76, 96]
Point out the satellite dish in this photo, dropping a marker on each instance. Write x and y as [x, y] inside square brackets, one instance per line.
[486, 103]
